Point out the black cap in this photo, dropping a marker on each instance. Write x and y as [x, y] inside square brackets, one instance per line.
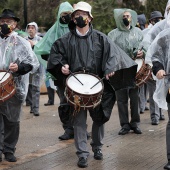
[156, 14]
[7, 13]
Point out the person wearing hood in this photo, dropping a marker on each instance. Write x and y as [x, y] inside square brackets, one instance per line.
[128, 37]
[89, 51]
[159, 50]
[43, 48]
[33, 95]
[17, 59]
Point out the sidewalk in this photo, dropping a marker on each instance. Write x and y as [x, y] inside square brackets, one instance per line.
[40, 149]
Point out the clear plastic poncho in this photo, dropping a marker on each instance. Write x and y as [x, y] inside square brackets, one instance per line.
[12, 48]
[43, 47]
[37, 79]
[154, 31]
[160, 51]
[126, 39]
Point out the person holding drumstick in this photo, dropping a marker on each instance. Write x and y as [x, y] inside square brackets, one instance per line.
[128, 38]
[86, 50]
[16, 58]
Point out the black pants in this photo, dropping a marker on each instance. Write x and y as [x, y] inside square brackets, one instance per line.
[9, 134]
[65, 111]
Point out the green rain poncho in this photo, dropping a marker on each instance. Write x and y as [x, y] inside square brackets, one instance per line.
[43, 47]
[127, 39]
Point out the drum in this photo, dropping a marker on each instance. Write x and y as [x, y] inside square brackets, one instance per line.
[143, 72]
[7, 86]
[83, 95]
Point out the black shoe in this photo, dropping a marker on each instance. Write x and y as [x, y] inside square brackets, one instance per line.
[155, 122]
[98, 154]
[66, 136]
[162, 117]
[123, 131]
[31, 111]
[36, 114]
[137, 130]
[48, 104]
[82, 162]
[27, 104]
[167, 166]
[10, 157]
[146, 108]
[141, 112]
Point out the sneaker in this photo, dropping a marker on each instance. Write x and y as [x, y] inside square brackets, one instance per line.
[10, 157]
[98, 154]
[82, 162]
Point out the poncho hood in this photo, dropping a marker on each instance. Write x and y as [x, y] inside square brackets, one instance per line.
[118, 16]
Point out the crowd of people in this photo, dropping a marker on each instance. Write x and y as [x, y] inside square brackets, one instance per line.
[71, 46]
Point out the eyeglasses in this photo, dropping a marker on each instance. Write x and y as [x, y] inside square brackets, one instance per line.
[7, 21]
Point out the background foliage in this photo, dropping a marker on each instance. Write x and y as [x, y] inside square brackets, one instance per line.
[44, 11]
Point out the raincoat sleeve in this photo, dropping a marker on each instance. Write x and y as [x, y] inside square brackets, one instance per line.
[160, 57]
[124, 67]
[56, 60]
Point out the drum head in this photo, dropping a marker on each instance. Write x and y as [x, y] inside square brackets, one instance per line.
[88, 81]
[140, 63]
[5, 77]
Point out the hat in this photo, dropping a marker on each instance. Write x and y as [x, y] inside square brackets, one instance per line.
[34, 24]
[7, 13]
[155, 14]
[83, 6]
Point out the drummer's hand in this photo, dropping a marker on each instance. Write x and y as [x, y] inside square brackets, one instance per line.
[65, 69]
[109, 75]
[13, 67]
[139, 54]
[160, 74]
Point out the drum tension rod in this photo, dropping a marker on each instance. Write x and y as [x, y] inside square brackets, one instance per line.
[70, 72]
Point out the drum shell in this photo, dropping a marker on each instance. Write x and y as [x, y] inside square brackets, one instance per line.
[86, 100]
[7, 88]
[144, 74]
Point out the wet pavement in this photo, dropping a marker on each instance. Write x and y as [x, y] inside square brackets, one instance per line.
[39, 148]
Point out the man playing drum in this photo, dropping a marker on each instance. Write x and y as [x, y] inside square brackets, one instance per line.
[17, 59]
[86, 50]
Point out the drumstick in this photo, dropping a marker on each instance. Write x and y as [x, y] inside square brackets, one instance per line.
[9, 69]
[97, 82]
[70, 72]
[167, 74]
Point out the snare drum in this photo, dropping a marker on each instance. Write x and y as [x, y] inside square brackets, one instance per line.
[7, 86]
[83, 95]
[143, 72]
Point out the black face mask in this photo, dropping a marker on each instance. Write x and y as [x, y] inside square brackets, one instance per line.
[126, 21]
[80, 22]
[65, 19]
[5, 29]
[156, 20]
